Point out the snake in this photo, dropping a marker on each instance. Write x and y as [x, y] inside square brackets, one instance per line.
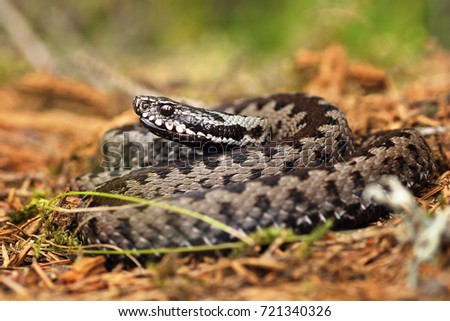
[286, 160]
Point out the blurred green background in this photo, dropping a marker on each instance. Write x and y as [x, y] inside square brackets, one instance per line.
[385, 33]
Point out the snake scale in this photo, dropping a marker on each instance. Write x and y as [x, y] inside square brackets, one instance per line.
[290, 163]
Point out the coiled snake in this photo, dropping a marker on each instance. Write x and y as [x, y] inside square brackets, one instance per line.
[293, 166]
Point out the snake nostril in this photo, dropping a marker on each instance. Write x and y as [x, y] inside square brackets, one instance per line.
[136, 103]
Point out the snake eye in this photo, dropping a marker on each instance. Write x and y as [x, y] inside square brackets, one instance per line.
[166, 110]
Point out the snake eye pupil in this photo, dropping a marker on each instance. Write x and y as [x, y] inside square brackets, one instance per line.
[166, 110]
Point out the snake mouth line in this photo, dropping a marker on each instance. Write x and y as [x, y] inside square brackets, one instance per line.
[172, 131]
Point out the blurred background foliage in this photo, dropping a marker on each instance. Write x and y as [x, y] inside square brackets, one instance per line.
[385, 33]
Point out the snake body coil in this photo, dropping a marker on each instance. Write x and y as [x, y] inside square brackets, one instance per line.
[293, 166]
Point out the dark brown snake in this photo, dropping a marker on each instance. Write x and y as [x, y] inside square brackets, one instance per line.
[293, 167]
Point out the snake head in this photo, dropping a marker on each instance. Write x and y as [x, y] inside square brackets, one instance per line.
[166, 118]
[190, 125]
